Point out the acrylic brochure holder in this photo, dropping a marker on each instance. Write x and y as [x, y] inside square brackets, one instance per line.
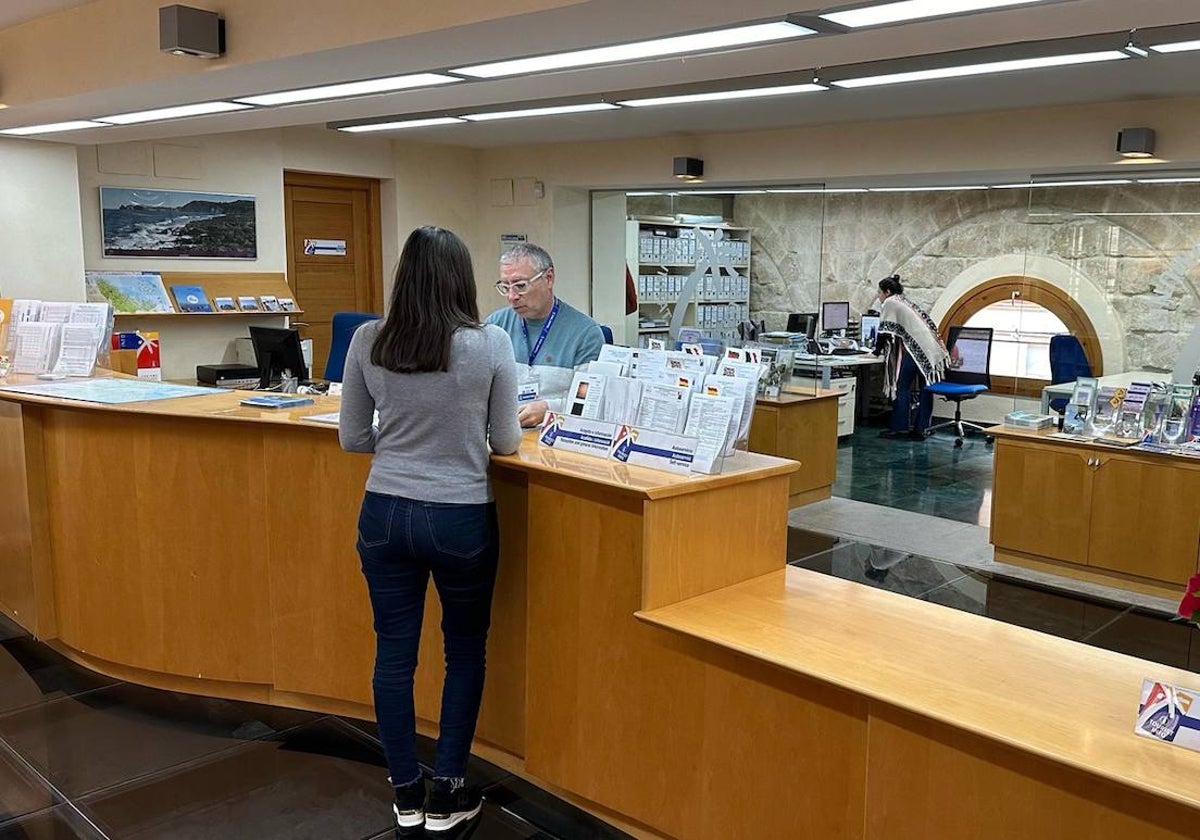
[628, 444]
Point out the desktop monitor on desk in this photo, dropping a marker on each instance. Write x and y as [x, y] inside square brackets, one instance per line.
[835, 316]
[803, 322]
[277, 349]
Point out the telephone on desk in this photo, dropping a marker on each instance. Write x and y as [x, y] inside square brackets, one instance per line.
[837, 347]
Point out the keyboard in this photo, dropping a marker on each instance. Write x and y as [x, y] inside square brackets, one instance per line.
[844, 351]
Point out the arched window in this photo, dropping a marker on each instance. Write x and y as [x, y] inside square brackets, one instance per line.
[1023, 314]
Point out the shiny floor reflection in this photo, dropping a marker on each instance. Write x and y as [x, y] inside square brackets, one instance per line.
[84, 757]
[1149, 635]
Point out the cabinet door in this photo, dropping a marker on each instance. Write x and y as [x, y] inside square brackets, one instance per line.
[1145, 518]
[1042, 499]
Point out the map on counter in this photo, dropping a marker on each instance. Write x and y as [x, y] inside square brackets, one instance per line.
[128, 293]
[109, 391]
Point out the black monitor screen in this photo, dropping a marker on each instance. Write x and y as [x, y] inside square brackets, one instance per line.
[277, 349]
[835, 315]
[803, 322]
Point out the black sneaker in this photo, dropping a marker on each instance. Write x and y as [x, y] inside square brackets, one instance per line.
[410, 805]
[451, 802]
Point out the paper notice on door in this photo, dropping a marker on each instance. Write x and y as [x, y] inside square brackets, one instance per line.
[325, 247]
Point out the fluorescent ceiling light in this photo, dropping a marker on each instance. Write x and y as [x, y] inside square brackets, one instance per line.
[923, 189]
[721, 192]
[540, 112]
[718, 96]
[51, 128]
[1188, 180]
[1109, 183]
[363, 88]
[196, 110]
[718, 39]
[982, 69]
[1181, 46]
[915, 10]
[643, 194]
[818, 191]
[388, 126]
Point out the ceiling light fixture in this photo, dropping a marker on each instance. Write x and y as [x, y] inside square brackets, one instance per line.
[348, 89]
[540, 112]
[982, 69]
[916, 10]
[1181, 46]
[51, 128]
[717, 39]
[922, 189]
[196, 110]
[723, 95]
[398, 124]
[721, 192]
[815, 191]
[1134, 48]
[1191, 179]
[1111, 182]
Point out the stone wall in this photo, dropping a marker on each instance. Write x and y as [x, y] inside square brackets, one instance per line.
[1133, 247]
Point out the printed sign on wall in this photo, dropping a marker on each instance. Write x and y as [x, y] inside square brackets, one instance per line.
[325, 247]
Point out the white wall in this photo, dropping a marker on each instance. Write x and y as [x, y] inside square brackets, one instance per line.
[41, 250]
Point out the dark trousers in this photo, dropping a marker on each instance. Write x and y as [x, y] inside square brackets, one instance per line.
[401, 542]
[909, 376]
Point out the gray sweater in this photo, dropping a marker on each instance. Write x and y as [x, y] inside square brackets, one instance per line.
[432, 440]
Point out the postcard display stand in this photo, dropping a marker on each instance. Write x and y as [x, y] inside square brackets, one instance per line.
[1158, 417]
[679, 411]
[53, 339]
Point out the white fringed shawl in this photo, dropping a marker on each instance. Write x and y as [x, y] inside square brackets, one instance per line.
[911, 328]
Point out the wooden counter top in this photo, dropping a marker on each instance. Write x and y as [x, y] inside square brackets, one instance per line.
[1053, 697]
[791, 397]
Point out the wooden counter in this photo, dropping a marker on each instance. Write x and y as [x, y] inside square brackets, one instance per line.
[804, 428]
[1095, 511]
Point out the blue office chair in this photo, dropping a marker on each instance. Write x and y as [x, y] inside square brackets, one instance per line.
[344, 325]
[1068, 362]
[607, 332]
[971, 356]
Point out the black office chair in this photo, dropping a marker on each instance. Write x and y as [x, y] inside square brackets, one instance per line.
[968, 377]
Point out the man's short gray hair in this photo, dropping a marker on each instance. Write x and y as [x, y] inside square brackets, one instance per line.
[536, 254]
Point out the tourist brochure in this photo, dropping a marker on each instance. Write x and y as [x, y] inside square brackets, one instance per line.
[277, 401]
[663, 407]
[709, 420]
[191, 299]
[1169, 713]
[586, 395]
[248, 303]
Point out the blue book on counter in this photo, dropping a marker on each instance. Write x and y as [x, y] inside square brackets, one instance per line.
[277, 401]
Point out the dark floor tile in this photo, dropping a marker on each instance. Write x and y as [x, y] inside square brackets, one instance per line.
[967, 593]
[802, 543]
[1046, 611]
[62, 823]
[321, 781]
[115, 734]
[21, 792]
[9, 629]
[1147, 636]
[880, 568]
[31, 673]
[549, 813]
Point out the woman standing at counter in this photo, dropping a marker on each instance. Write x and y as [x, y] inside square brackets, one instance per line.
[915, 356]
[444, 387]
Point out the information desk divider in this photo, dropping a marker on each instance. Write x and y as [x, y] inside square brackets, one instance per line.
[628, 444]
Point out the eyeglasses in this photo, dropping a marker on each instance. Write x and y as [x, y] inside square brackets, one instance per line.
[520, 287]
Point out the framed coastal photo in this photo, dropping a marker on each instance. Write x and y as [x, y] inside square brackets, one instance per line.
[177, 224]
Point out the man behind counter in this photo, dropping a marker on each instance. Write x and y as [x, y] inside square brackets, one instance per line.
[550, 338]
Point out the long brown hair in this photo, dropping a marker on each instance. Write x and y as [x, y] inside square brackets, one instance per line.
[432, 296]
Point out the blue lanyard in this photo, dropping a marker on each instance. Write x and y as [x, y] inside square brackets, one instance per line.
[537, 347]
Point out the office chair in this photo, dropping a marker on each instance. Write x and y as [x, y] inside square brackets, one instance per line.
[1068, 362]
[971, 355]
[606, 330]
[344, 325]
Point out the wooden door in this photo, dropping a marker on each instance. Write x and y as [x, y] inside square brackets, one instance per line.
[334, 253]
[1145, 517]
[1042, 500]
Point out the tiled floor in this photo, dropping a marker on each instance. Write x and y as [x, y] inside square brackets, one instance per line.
[83, 756]
[929, 476]
[1112, 624]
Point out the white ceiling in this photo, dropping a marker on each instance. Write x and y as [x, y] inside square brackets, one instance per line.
[13, 12]
[608, 21]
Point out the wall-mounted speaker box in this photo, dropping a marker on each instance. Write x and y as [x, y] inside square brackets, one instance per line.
[183, 30]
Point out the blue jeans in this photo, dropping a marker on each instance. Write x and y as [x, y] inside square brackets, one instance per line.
[401, 542]
[901, 414]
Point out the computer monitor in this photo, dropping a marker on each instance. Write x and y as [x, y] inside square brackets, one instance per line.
[277, 349]
[868, 330]
[803, 322]
[835, 315]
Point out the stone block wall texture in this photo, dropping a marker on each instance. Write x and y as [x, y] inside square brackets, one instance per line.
[1137, 246]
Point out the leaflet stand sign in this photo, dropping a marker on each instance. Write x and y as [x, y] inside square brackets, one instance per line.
[577, 434]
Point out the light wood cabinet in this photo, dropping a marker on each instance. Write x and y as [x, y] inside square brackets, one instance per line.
[1132, 513]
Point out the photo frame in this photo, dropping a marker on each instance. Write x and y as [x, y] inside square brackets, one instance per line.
[177, 224]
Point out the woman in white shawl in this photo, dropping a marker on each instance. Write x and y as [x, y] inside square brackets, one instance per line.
[913, 348]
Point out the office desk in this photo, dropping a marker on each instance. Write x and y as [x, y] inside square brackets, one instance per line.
[823, 372]
[1121, 380]
[804, 428]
